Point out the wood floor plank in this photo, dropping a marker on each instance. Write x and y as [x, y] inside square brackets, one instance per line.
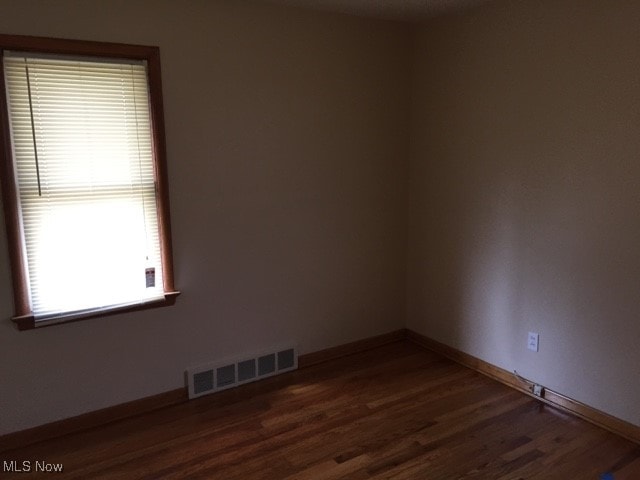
[395, 412]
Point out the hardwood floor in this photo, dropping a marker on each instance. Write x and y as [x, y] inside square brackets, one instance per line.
[396, 412]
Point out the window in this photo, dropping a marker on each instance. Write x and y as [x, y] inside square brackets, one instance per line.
[84, 179]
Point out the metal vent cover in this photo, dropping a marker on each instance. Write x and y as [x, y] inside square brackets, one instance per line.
[213, 377]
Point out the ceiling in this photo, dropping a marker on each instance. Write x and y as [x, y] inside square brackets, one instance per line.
[404, 10]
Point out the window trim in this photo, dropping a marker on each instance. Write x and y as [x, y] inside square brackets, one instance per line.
[24, 317]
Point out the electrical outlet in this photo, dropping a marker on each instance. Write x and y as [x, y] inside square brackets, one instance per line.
[532, 342]
[538, 390]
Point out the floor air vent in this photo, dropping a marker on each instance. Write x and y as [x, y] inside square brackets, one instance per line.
[214, 377]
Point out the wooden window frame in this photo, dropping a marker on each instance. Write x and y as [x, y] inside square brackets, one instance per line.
[24, 317]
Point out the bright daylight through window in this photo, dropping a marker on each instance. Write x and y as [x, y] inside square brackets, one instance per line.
[85, 184]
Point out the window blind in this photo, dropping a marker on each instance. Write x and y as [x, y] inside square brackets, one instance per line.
[83, 156]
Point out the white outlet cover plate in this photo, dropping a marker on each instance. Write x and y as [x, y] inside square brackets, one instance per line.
[533, 340]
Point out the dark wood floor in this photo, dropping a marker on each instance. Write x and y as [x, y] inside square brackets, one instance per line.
[397, 412]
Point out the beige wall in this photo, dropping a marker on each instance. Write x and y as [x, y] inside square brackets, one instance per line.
[287, 136]
[525, 193]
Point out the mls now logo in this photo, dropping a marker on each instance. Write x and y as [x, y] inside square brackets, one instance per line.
[28, 466]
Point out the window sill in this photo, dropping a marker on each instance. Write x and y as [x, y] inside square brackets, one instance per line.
[28, 322]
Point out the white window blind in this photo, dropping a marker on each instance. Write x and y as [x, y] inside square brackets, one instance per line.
[83, 157]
